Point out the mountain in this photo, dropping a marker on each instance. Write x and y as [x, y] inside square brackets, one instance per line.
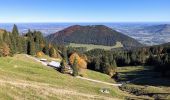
[157, 29]
[151, 34]
[94, 34]
[166, 44]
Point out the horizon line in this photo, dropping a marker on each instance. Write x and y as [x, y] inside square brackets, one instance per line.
[88, 22]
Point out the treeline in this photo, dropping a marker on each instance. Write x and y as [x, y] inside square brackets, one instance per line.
[157, 56]
[31, 43]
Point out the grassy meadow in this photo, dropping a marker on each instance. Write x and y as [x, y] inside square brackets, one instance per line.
[23, 78]
[92, 46]
[143, 81]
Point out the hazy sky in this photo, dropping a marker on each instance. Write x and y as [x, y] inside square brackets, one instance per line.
[84, 11]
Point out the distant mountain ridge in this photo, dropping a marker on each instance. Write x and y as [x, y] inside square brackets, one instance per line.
[157, 29]
[94, 34]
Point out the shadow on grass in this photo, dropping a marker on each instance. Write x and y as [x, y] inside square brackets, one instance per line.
[143, 77]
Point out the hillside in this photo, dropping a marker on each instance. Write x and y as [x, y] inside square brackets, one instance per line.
[166, 44]
[97, 35]
[23, 78]
[157, 29]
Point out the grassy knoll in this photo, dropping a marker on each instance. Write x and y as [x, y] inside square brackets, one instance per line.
[92, 46]
[23, 78]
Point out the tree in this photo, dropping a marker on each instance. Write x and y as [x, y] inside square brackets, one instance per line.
[53, 52]
[15, 31]
[4, 49]
[64, 54]
[13, 46]
[31, 48]
[15, 38]
[97, 64]
[46, 49]
[63, 65]
[74, 67]
[80, 61]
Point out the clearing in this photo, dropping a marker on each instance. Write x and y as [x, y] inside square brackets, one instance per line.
[92, 46]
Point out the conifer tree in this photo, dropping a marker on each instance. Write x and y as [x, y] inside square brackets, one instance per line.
[65, 55]
[15, 38]
[63, 64]
[53, 52]
[15, 31]
[97, 64]
[46, 49]
[74, 67]
[31, 48]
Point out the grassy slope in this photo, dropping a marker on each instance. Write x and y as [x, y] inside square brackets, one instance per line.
[98, 76]
[153, 85]
[92, 46]
[23, 78]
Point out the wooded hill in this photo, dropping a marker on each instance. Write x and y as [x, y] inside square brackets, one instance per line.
[96, 34]
[31, 43]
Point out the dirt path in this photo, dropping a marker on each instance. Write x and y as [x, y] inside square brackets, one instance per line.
[97, 81]
[37, 60]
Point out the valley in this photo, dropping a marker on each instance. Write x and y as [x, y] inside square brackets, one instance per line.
[85, 50]
[142, 81]
[82, 62]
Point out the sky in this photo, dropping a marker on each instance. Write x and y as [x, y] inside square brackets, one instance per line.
[84, 11]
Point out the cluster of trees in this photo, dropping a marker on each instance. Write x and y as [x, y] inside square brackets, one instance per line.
[102, 61]
[157, 56]
[78, 62]
[31, 43]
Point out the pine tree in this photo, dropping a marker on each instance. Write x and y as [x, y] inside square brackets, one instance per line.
[105, 64]
[97, 64]
[31, 48]
[65, 55]
[15, 38]
[63, 64]
[13, 44]
[53, 52]
[24, 45]
[74, 67]
[19, 45]
[15, 31]
[46, 49]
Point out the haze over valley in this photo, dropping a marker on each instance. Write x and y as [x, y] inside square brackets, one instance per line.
[145, 33]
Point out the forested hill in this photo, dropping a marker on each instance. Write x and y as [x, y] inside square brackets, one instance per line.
[95, 34]
[31, 43]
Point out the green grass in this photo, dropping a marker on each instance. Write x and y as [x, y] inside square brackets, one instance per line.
[147, 82]
[99, 76]
[92, 46]
[132, 72]
[23, 78]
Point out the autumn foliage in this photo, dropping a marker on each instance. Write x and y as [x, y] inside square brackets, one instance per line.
[4, 49]
[81, 63]
[40, 54]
